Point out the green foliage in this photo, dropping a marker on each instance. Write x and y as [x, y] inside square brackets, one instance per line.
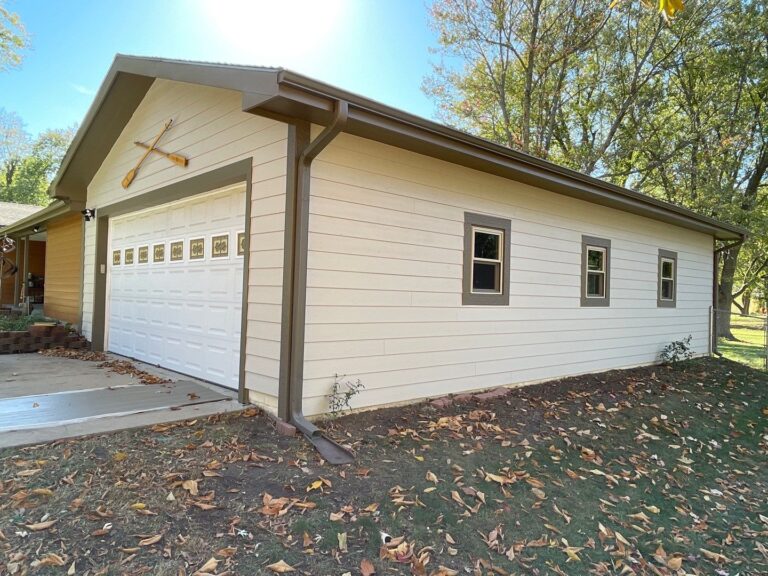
[26, 166]
[677, 351]
[676, 110]
[17, 323]
[342, 392]
[13, 38]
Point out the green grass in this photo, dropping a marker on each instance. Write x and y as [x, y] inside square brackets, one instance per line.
[749, 348]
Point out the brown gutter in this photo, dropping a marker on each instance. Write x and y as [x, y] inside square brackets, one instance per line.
[291, 389]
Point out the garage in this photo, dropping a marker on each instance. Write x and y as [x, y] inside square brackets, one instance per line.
[175, 285]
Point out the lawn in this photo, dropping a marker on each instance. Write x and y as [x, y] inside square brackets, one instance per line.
[750, 345]
[646, 471]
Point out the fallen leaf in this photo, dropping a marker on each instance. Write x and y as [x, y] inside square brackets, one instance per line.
[209, 566]
[40, 525]
[366, 567]
[190, 486]
[281, 567]
[714, 556]
[151, 540]
[675, 563]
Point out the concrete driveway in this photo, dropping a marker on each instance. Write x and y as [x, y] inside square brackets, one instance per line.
[44, 398]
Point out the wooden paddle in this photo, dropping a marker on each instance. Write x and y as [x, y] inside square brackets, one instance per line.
[132, 173]
[177, 159]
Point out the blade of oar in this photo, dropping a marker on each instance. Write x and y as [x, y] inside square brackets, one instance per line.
[177, 159]
[132, 173]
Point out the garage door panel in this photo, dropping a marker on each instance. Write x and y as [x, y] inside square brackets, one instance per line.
[185, 314]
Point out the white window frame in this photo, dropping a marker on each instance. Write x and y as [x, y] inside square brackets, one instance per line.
[669, 279]
[602, 271]
[499, 260]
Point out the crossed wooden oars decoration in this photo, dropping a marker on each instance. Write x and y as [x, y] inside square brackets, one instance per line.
[177, 159]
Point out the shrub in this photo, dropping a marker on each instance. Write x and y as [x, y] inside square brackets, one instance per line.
[342, 392]
[677, 351]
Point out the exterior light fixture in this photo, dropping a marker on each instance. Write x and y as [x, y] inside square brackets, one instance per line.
[89, 214]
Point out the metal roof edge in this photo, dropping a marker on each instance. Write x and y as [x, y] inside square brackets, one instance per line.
[578, 179]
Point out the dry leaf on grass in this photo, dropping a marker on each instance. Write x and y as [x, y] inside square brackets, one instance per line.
[366, 567]
[281, 567]
[209, 566]
[151, 540]
[40, 525]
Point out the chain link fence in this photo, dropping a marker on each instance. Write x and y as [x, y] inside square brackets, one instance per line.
[750, 338]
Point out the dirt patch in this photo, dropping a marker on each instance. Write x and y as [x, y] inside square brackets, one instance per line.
[647, 471]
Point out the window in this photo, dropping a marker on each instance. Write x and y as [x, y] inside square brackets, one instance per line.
[486, 260]
[667, 296]
[596, 271]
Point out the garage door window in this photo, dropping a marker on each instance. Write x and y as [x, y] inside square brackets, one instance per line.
[129, 255]
[220, 246]
[143, 254]
[177, 251]
[197, 249]
[158, 253]
[115, 257]
[240, 243]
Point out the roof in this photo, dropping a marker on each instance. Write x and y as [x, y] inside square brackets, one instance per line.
[11, 212]
[286, 95]
[38, 218]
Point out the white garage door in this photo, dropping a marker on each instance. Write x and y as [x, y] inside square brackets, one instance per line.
[176, 283]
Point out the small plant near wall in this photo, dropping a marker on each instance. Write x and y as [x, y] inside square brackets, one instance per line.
[342, 391]
[677, 351]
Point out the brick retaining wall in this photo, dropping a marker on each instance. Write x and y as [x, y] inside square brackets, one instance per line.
[56, 337]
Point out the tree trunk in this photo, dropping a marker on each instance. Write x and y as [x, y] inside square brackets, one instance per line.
[725, 292]
[746, 302]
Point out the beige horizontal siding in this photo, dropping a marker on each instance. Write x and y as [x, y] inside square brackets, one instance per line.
[211, 130]
[385, 279]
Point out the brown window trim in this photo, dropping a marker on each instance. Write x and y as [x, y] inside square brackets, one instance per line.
[503, 225]
[668, 255]
[605, 244]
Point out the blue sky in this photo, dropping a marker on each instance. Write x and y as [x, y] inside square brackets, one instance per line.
[378, 48]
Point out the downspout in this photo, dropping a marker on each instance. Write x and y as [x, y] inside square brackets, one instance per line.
[715, 290]
[294, 390]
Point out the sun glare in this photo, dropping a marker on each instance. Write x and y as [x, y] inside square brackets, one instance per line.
[298, 34]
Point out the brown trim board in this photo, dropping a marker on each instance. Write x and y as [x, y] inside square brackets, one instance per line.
[279, 93]
[218, 178]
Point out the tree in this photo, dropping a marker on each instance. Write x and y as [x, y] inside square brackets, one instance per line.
[714, 119]
[13, 38]
[27, 176]
[677, 111]
[555, 78]
[14, 146]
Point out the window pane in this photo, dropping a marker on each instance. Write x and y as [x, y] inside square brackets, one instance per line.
[595, 284]
[487, 245]
[595, 259]
[485, 277]
[666, 269]
[667, 290]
